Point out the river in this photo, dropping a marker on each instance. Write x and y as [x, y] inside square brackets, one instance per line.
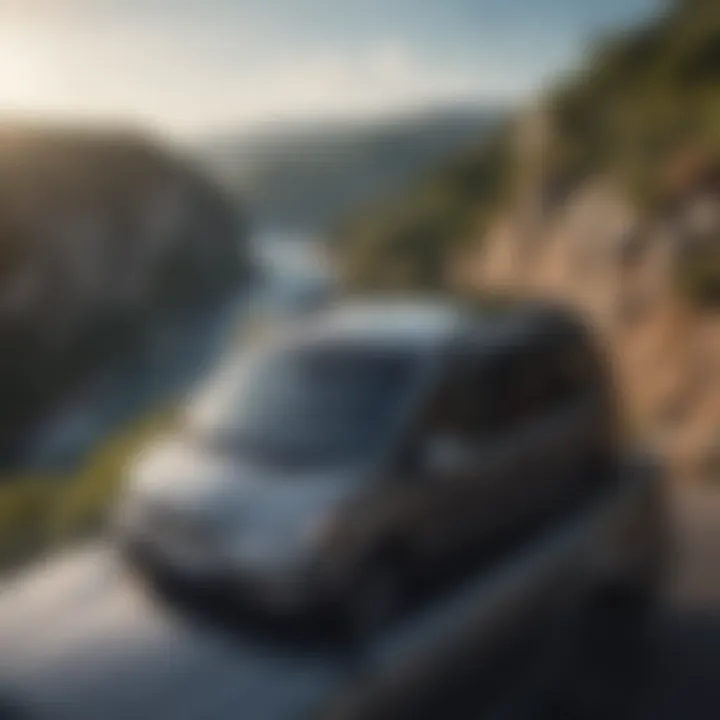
[291, 276]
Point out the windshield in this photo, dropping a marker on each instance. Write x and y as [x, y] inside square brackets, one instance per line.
[310, 404]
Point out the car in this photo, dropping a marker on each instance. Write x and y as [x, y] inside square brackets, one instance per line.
[382, 448]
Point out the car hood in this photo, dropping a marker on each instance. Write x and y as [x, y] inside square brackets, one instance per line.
[195, 481]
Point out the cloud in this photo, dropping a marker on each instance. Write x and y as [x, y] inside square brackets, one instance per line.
[189, 65]
[36, 8]
[382, 78]
[188, 82]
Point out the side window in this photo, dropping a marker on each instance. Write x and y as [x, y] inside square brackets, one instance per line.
[527, 383]
[513, 389]
[572, 371]
[523, 384]
[494, 395]
[448, 412]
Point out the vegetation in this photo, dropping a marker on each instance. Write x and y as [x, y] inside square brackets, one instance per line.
[38, 514]
[407, 241]
[697, 278]
[642, 101]
[303, 176]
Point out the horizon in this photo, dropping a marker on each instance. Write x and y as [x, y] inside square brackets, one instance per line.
[190, 69]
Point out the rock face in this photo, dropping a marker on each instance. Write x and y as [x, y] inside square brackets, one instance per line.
[647, 279]
[104, 238]
[595, 253]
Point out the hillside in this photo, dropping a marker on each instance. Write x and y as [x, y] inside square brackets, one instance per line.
[104, 238]
[407, 239]
[605, 195]
[642, 99]
[303, 177]
[643, 108]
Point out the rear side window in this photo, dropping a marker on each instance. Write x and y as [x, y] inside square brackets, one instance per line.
[533, 380]
[571, 368]
[483, 396]
[460, 407]
[498, 392]
[488, 395]
[515, 390]
[450, 410]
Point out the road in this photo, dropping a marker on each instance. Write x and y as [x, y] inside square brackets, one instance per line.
[684, 681]
[80, 638]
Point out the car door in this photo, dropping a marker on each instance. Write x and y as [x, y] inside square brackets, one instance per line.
[479, 456]
[480, 494]
[434, 471]
[469, 458]
[535, 433]
[508, 390]
[559, 430]
[534, 430]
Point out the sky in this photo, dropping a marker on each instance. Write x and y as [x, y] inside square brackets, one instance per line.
[196, 67]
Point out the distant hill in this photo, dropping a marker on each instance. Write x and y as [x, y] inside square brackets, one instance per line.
[306, 176]
[405, 238]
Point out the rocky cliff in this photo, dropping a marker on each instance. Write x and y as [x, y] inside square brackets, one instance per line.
[595, 252]
[104, 238]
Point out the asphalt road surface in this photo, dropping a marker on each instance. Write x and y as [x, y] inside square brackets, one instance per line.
[684, 677]
[78, 635]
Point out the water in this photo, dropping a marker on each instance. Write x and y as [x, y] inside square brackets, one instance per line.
[292, 277]
[297, 275]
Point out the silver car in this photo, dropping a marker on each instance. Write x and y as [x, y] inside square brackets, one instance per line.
[387, 448]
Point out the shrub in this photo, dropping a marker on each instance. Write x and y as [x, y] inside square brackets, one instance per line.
[697, 279]
[38, 514]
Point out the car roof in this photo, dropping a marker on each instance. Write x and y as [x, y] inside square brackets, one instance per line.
[427, 324]
[419, 323]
